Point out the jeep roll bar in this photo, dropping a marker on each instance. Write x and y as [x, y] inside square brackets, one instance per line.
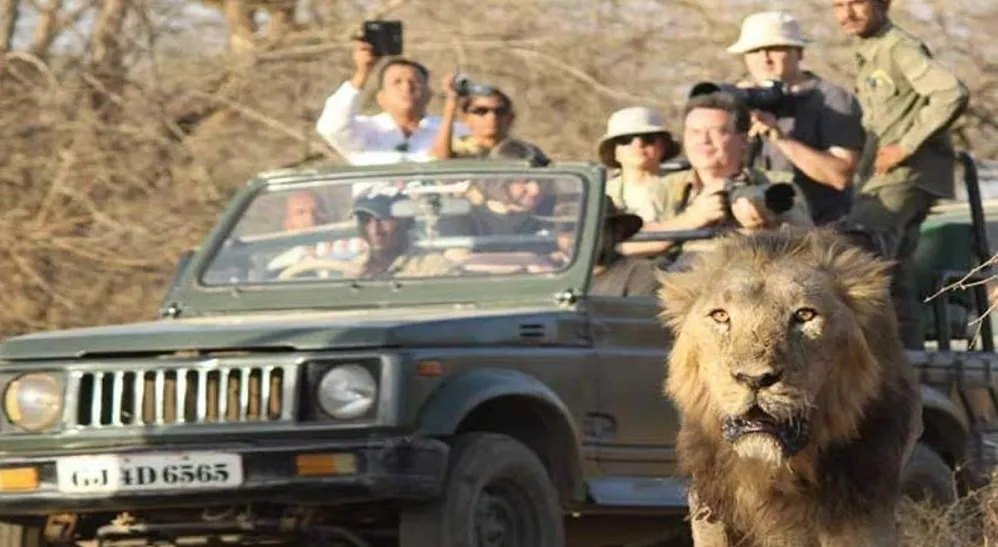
[981, 256]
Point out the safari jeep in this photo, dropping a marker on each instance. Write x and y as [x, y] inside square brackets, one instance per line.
[300, 387]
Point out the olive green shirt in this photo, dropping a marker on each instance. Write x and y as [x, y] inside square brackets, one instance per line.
[909, 99]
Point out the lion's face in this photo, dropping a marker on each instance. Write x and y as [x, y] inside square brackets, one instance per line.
[771, 353]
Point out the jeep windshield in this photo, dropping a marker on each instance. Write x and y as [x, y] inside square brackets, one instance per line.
[504, 224]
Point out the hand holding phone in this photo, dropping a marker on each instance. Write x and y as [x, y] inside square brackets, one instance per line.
[385, 37]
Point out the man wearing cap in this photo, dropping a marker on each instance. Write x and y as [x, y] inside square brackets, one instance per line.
[637, 142]
[488, 114]
[818, 135]
[388, 253]
[910, 101]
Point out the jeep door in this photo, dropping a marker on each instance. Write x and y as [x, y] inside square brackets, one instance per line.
[636, 426]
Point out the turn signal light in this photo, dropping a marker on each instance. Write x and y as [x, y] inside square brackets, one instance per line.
[18, 479]
[310, 465]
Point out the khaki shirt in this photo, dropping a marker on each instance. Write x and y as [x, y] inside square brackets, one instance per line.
[678, 187]
[910, 99]
[413, 263]
[466, 147]
[653, 210]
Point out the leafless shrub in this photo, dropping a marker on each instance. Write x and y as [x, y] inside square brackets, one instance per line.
[127, 125]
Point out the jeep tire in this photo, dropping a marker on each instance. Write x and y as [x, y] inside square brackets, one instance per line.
[927, 477]
[496, 494]
[17, 535]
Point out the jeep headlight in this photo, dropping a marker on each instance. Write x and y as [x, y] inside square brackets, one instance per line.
[33, 401]
[347, 391]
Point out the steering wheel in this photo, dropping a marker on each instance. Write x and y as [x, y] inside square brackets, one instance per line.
[316, 264]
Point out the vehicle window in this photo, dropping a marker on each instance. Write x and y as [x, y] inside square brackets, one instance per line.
[453, 226]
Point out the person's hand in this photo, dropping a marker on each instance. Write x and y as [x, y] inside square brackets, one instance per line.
[447, 84]
[363, 57]
[888, 158]
[764, 123]
[747, 214]
[706, 209]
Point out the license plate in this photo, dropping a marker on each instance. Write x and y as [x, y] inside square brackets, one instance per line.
[156, 472]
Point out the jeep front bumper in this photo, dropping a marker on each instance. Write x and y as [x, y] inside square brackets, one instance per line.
[314, 473]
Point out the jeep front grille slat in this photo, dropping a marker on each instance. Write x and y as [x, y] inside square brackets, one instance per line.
[184, 395]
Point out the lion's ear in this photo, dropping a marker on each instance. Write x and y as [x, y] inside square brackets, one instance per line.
[677, 293]
[864, 281]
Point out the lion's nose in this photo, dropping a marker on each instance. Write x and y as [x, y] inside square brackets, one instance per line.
[758, 380]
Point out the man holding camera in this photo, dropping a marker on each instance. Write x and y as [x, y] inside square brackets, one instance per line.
[401, 132]
[909, 101]
[488, 114]
[816, 131]
[719, 190]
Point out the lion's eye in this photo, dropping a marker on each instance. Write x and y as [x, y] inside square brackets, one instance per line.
[719, 316]
[804, 315]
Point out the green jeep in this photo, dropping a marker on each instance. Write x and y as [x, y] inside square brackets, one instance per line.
[424, 386]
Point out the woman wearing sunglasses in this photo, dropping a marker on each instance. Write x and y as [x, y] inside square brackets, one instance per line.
[637, 143]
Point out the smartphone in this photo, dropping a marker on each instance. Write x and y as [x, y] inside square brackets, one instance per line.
[385, 36]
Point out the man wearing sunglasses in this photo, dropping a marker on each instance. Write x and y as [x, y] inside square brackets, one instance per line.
[488, 114]
[715, 139]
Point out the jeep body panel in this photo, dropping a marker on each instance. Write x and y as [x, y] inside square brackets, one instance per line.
[303, 331]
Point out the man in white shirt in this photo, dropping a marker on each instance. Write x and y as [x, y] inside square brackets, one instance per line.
[401, 132]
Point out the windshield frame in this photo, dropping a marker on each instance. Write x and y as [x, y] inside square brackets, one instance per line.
[192, 297]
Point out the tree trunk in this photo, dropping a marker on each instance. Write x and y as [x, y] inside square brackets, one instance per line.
[107, 57]
[47, 28]
[242, 28]
[8, 19]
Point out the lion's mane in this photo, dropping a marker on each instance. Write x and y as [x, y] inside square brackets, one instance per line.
[862, 417]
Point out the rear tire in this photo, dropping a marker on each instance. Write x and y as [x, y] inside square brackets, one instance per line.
[497, 494]
[927, 477]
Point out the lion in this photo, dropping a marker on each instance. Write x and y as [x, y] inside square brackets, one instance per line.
[799, 407]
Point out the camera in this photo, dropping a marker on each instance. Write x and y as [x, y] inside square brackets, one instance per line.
[772, 96]
[464, 87]
[778, 198]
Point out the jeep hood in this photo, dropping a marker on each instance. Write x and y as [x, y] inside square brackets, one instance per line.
[301, 331]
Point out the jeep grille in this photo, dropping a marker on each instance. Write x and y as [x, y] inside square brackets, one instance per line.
[185, 396]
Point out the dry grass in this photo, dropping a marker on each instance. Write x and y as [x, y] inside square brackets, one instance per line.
[970, 522]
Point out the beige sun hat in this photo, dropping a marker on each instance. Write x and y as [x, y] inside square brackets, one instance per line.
[769, 29]
[635, 120]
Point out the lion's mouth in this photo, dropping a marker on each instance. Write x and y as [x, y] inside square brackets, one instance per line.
[791, 434]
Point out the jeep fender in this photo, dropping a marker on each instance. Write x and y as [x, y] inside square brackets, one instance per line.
[946, 426]
[445, 412]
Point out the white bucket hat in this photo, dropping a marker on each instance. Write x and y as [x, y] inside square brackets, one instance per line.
[769, 29]
[636, 120]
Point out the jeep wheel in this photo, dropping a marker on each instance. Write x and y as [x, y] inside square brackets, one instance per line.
[927, 477]
[17, 535]
[497, 494]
